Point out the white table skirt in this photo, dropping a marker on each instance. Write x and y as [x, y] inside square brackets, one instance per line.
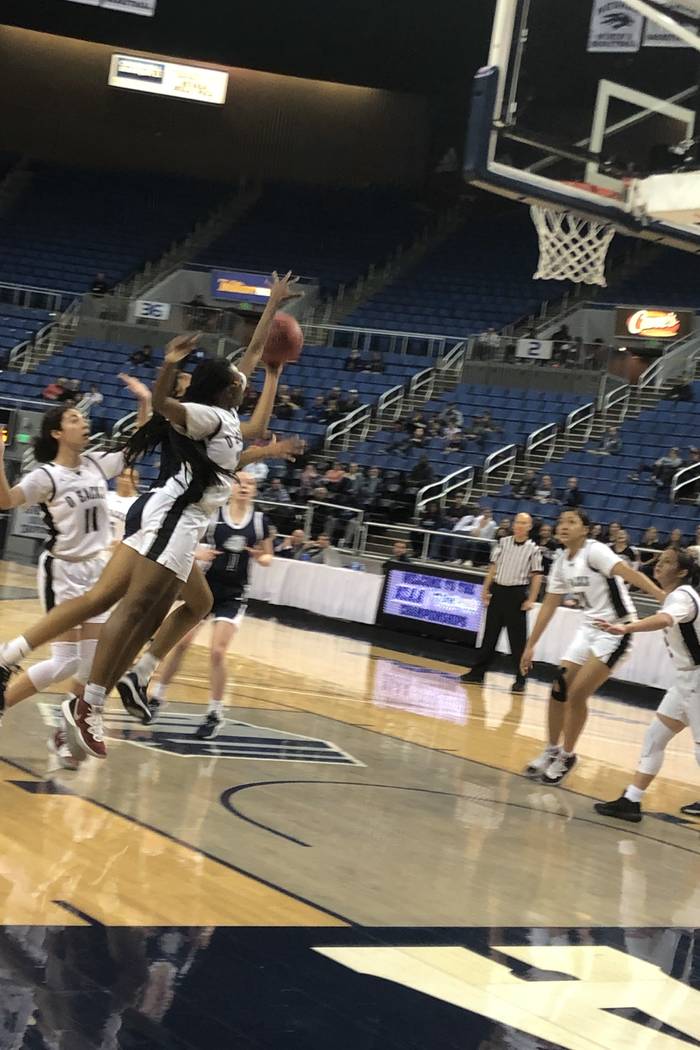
[346, 595]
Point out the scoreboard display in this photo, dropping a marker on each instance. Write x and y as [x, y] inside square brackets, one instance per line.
[432, 601]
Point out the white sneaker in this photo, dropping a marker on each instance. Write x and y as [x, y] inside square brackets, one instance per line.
[558, 769]
[543, 761]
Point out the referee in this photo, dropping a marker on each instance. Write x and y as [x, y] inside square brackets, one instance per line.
[511, 588]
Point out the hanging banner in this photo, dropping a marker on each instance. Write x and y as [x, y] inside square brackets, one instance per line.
[132, 7]
[192, 83]
[652, 323]
[152, 311]
[614, 27]
[240, 287]
[535, 349]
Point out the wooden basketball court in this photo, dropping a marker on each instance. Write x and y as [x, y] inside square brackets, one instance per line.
[356, 840]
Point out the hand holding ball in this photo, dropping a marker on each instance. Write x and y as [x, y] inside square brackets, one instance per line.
[285, 341]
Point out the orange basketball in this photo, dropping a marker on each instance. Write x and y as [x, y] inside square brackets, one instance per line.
[285, 341]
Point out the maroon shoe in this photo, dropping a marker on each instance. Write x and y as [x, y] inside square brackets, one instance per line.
[86, 722]
[58, 747]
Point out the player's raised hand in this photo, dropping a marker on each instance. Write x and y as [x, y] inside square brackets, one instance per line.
[284, 288]
[140, 391]
[181, 347]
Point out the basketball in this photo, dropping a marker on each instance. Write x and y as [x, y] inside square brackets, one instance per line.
[285, 341]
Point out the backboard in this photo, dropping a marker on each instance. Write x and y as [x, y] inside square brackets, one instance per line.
[584, 100]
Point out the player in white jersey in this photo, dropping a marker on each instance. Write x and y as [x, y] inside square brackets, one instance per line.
[149, 568]
[596, 576]
[71, 488]
[677, 574]
[120, 500]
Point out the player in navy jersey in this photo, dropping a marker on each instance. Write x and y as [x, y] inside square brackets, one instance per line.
[677, 574]
[236, 536]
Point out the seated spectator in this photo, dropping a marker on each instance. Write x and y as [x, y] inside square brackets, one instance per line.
[298, 397]
[421, 473]
[597, 532]
[419, 438]
[335, 394]
[399, 553]
[354, 362]
[609, 445]
[481, 526]
[649, 550]
[488, 424]
[99, 285]
[434, 428]
[572, 496]
[54, 390]
[545, 491]
[370, 488]
[549, 547]
[350, 403]
[292, 547]
[88, 401]
[332, 413]
[621, 547]
[675, 540]
[308, 480]
[416, 420]
[317, 411]
[455, 443]
[431, 519]
[276, 492]
[504, 529]
[662, 469]
[71, 391]
[334, 475]
[351, 485]
[320, 552]
[525, 488]
[144, 356]
[376, 363]
[451, 416]
[286, 408]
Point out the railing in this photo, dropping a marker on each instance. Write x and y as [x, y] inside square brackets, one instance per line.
[390, 404]
[29, 297]
[383, 340]
[503, 460]
[541, 442]
[615, 405]
[353, 427]
[677, 363]
[537, 352]
[684, 478]
[438, 491]
[453, 361]
[422, 384]
[17, 401]
[426, 544]
[579, 425]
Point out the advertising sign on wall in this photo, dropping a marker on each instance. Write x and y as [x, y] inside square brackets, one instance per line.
[132, 7]
[191, 83]
[539, 349]
[652, 323]
[239, 287]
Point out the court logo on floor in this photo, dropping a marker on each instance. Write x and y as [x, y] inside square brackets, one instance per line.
[174, 734]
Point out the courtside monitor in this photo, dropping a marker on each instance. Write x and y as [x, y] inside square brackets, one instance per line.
[432, 601]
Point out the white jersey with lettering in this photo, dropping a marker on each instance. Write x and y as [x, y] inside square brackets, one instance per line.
[588, 576]
[73, 502]
[683, 639]
[219, 431]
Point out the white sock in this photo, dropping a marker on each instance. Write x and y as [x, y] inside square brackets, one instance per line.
[94, 695]
[158, 691]
[634, 794]
[14, 651]
[145, 667]
[565, 754]
[216, 707]
[553, 749]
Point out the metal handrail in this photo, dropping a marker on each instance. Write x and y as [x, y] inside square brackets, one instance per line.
[546, 435]
[421, 380]
[620, 396]
[342, 428]
[658, 371]
[18, 400]
[427, 535]
[454, 358]
[464, 477]
[361, 338]
[684, 477]
[390, 404]
[503, 457]
[584, 414]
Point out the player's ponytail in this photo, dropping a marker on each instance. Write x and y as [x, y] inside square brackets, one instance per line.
[45, 445]
[688, 564]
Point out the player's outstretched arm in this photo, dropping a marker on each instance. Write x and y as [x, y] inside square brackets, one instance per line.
[256, 426]
[282, 289]
[9, 497]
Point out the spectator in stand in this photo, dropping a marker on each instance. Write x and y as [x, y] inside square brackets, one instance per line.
[334, 476]
[434, 428]
[335, 394]
[675, 540]
[293, 546]
[298, 397]
[351, 403]
[144, 356]
[354, 362]
[317, 411]
[99, 285]
[370, 488]
[480, 526]
[597, 533]
[276, 492]
[662, 469]
[572, 496]
[526, 487]
[308, 481]
[376, 363]
[417, 420]
[431, 519]
[399, 553]
[285, 409]
[548, 546]
[545, 491]
[609, 445]
[421, 473]
[504, 529]
[321, 552]
[612, 531]
[488, 424]
[54, 390]
[352, 483]
[332, 413]
[71, 391]
[649, 550]
[621, 547]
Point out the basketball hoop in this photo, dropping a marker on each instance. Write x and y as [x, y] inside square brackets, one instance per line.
[573, 247]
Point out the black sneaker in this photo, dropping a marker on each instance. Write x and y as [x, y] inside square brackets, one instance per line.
[518, 685]
[156, 707]
[622, 808]
[558, 769]
[692, 810]
[474, 677]
[210, 727]
[134, 698]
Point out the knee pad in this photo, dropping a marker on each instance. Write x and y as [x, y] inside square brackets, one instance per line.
[86, 651]
[63, 664]
[560, 690]
[656, 740]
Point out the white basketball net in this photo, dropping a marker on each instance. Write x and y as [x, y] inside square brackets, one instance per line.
[572, 247]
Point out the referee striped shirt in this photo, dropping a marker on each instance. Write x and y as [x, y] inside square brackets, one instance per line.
[515, 562]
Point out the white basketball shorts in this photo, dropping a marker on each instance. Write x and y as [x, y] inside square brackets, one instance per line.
[59, 580]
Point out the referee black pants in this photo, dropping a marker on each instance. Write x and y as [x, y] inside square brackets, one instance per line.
[503, 611]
